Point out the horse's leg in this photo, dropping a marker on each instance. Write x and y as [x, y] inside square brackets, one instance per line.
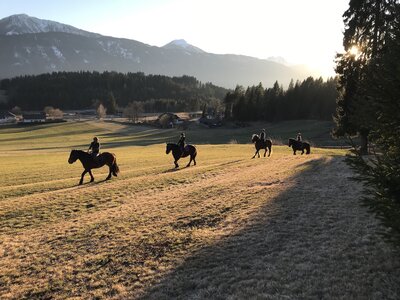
[269, 151]
[176, 164]
[265, 153]
[294, 151]
[109, 173]
[83, 174]
[91, 176]
[191, 158]
[194, 159]
[302, 151]
[257, 152]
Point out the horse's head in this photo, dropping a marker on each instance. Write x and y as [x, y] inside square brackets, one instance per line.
[168, 149]
[73, 156]
[254, 138]
[291, 142]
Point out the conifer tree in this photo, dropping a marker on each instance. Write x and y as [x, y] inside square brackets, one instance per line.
[367, 24]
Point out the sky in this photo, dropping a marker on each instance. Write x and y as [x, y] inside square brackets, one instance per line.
[308, 32]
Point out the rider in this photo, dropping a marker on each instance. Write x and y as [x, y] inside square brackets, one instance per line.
[299, 139]
[181, 142]
[262, 135]
[95, 147]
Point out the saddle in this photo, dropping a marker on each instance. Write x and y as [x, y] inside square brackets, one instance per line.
[96, 157]
[185, 150]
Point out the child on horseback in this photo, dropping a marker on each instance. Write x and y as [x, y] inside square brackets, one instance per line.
[263, 135]
[181, 142]
[95, 147]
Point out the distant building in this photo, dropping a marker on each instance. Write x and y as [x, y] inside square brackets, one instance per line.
[34, 118]
[210, 121]
[7, 117]
[169, 120]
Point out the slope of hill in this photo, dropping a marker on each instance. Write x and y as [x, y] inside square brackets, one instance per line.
[32, 46]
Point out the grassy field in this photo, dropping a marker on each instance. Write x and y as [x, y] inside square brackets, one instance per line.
[230, 228]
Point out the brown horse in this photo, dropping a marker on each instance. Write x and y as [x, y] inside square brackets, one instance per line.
[177, 153]
[89, 163]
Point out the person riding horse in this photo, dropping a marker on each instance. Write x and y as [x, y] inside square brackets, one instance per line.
[260, 144]
[94, 147]
[181, 142]
[299, 139]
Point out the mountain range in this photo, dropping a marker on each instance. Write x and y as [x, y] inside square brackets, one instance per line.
[30, 45]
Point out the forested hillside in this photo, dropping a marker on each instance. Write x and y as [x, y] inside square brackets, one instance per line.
[81, 90]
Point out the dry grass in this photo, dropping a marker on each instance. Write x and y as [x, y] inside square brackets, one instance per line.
[230, 228]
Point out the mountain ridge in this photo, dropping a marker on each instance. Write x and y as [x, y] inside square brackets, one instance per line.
[48, 46]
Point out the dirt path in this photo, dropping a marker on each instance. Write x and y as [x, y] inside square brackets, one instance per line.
[288, 227]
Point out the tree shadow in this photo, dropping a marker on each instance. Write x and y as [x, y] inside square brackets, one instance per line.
[312, 241]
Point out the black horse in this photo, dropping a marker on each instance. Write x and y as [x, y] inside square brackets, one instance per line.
[259, 144]
[177, 153]
[299, 146]
[89, 163]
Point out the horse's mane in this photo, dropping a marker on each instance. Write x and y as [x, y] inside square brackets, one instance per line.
[80, 152]
[172, 145]
[77, 150]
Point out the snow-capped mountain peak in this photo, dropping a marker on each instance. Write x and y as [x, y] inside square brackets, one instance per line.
[22, 24]
[182, 44]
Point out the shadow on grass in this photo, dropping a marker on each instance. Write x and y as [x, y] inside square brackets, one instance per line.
[172, 170]
[312, 241]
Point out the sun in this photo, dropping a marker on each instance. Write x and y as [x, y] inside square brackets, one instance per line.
[354, 51]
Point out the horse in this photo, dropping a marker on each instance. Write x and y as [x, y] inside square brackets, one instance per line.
[299, 146]
[259, 144]
[89, 163]
[177, 153]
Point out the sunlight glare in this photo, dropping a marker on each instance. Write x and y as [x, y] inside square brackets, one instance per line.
[354, 51]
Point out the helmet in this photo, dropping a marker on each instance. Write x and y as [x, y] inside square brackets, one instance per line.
[263, 130]
[95, 138]
[182, 134]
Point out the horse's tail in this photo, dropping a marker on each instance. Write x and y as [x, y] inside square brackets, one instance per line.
[308, 148]
[115, 168]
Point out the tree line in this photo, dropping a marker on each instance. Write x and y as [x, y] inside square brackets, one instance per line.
[309, 99]
[83, 90]
[368, 105]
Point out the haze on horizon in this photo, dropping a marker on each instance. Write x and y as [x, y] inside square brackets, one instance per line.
[305, 32]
